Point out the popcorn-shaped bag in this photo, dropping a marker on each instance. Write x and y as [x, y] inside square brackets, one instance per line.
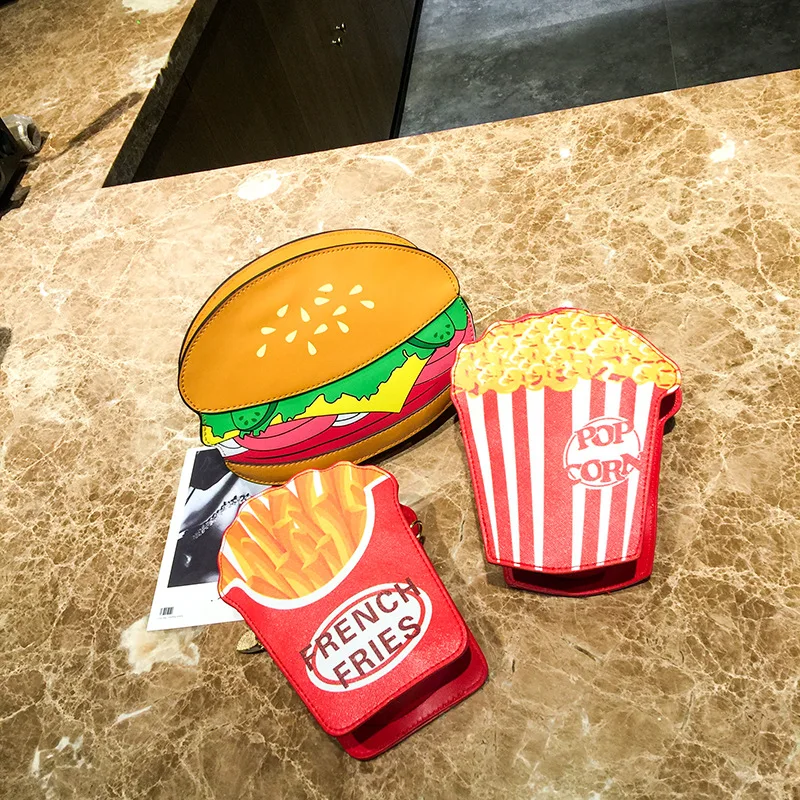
[562, 416]
[329, 574]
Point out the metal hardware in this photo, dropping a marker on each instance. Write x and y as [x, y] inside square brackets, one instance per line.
[25, 132]
[341, 27]
[248, 644]
[337, 41]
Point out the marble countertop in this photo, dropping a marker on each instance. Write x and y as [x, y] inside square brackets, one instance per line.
[678, 213]
[83, 71]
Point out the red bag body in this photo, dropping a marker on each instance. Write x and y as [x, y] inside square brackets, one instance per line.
[562, 416]
[329, 574]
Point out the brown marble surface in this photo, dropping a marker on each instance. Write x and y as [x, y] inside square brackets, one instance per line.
[679, 213]
[83, 70]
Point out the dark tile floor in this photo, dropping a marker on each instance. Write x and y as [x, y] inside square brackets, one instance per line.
[718, 40]
[478, 61]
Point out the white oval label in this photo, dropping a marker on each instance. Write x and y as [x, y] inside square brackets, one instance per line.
[604, 452]
[367, 636]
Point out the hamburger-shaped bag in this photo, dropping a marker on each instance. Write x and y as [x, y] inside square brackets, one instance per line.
[563, 417]
[329, 574]
[333, 347]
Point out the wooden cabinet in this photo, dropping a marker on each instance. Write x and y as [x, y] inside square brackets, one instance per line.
[275, 78]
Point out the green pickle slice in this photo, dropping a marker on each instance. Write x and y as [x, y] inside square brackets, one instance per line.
[441, 330]
[248, 419]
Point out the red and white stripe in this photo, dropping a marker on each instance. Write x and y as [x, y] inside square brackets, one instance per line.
[537, 517]
[534, 405]
[477, 426]
[641, 418]
[581, 414]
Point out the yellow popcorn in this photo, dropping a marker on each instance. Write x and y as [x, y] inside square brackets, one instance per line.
[557, 350]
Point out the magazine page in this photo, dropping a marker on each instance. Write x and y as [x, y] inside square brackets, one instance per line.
[208, 498]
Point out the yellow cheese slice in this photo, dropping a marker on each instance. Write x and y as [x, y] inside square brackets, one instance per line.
[209, 439]
[390, 395]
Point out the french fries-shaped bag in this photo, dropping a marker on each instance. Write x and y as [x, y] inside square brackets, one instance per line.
[563, 415]
[329, 574]
[329, 348]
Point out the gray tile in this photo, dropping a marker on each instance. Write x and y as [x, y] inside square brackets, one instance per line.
[446, 23]
[718, 40]
[527, 67]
